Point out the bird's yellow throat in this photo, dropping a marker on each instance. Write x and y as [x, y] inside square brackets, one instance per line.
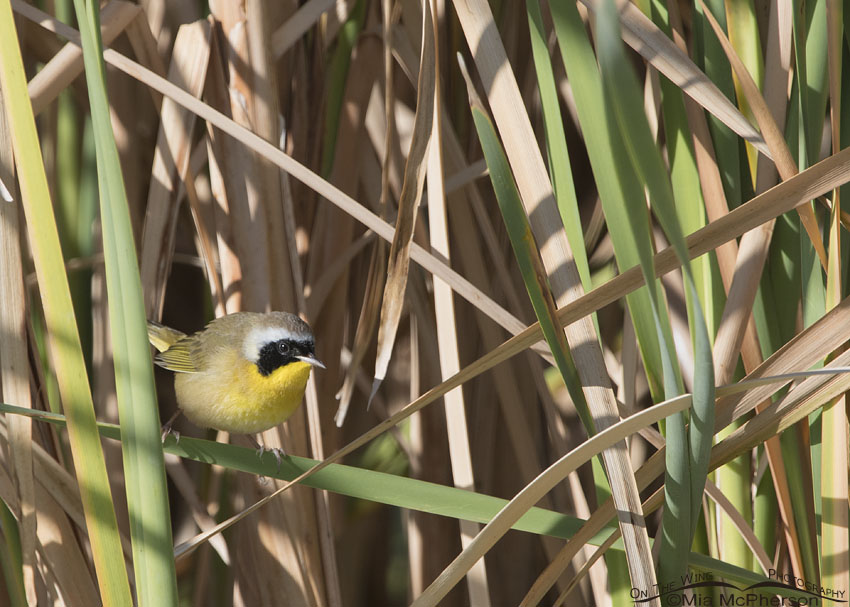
[241, 400]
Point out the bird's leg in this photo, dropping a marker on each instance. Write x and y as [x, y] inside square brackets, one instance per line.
[166, 427]
[278, 453]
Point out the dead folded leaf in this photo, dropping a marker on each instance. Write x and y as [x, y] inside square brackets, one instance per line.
[408, 205]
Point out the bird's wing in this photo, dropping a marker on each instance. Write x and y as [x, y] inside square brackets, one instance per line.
[162, 337]
[182, 357]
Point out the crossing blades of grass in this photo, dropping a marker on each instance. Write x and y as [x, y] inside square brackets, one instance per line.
[688, 450]
[532, 493]
[525, 251]
[347, 480]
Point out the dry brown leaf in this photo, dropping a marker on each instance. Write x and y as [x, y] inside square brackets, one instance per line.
[266, 190]
[297, 25]
[371, 307]
[406, 56]
[460, 455]
[67, 64]
[170, 164]
[227, 188]
[408, 205]
[366, 324]
[390, 161]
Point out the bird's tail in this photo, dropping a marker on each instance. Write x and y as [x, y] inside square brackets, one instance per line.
[162, 337]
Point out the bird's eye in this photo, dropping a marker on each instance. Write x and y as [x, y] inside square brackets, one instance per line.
[283, 348]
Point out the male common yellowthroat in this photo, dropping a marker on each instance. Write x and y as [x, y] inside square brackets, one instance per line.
[244, 373]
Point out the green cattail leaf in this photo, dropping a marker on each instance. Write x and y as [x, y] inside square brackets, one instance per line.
[144, 466]
[63, 339]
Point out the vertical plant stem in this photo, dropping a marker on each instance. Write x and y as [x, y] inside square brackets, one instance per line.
[144, 466]
[63, 338]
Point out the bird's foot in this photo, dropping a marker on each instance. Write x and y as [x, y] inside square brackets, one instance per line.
[167, 429]
[278, 453]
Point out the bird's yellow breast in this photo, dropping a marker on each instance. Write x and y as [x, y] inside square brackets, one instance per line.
[232, 395]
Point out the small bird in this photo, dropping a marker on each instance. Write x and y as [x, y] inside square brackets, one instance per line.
[243, 373]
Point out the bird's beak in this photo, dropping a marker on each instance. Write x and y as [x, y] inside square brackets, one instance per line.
[312, 361]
